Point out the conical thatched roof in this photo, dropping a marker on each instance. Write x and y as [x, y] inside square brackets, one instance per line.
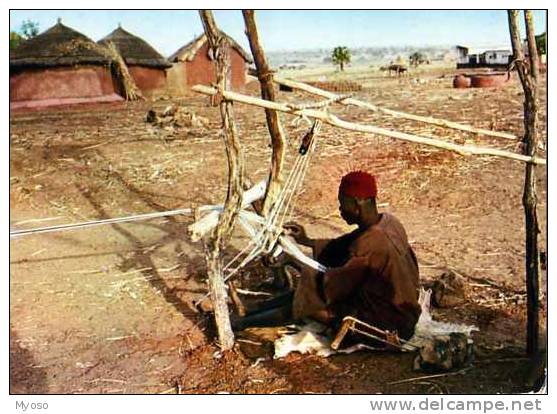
[135, 50]
[57, 46]
[187, 52]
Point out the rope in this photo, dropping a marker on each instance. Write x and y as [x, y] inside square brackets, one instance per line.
[266, 238]
[289, 190]
[273, 227]
[246, 219]
[249, 257]
[295, 193]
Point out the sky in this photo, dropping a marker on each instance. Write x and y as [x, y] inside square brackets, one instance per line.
[168, 30]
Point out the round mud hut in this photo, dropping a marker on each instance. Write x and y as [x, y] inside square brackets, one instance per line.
[58, 67]
[191, 65]
[146, 66]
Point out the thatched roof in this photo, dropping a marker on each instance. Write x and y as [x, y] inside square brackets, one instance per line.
[57, 46]
[135, 50]
[187, 52]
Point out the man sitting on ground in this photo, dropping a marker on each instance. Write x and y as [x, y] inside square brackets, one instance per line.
[372, 272]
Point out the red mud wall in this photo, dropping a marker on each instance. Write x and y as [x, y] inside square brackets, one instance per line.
[238, 70]
[176, 83]
[200, 69]
[61, 82]
[148, 79]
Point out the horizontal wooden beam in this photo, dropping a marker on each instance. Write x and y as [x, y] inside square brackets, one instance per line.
[399, 114]
[335, 121]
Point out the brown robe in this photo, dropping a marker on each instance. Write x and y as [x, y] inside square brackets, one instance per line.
[373, 276]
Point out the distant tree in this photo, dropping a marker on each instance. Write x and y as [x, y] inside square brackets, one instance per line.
[15, 40]
[341, 56]
[29, 29]
[540, 43]
[417, 58]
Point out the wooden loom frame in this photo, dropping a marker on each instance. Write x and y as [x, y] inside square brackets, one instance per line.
[233, 201]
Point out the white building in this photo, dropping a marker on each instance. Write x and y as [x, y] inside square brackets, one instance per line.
[497, 57]
[482, 57]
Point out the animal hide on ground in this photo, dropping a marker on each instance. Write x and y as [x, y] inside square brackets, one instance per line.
[311, 338]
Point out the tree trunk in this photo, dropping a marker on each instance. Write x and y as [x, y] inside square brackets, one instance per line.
[264, 74]
[129, 88]
[220, 53]
[532, 49]
[341, 66]
[528, 76]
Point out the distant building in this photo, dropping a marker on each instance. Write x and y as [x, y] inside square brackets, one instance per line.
[497, 57]
[482, 57]
[448, 57]
[146, 66]
[291, 66]
[192, 65]
[60, 66]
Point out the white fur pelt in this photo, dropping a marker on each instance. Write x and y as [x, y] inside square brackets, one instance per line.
[427, 328]
[310, 338]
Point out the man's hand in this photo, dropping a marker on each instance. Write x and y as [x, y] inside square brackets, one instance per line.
[298, 233]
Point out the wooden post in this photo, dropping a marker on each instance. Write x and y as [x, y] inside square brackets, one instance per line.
[528, 73]
[264, 74]
[220, 53]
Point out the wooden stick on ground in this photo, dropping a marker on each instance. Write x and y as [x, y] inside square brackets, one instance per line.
[528, 72]
[399, 114]
[233, 203]
[265, 75]
[446, 374]
[335, 121]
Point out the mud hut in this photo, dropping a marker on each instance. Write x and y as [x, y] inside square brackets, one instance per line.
[191, 65]
[147, 67]
[60, 66]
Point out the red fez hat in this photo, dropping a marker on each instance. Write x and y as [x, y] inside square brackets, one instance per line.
[358, 184]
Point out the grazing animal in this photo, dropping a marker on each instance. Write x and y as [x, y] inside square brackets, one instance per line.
[397, 69]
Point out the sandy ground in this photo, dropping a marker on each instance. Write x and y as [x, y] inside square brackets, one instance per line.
[109, 309]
